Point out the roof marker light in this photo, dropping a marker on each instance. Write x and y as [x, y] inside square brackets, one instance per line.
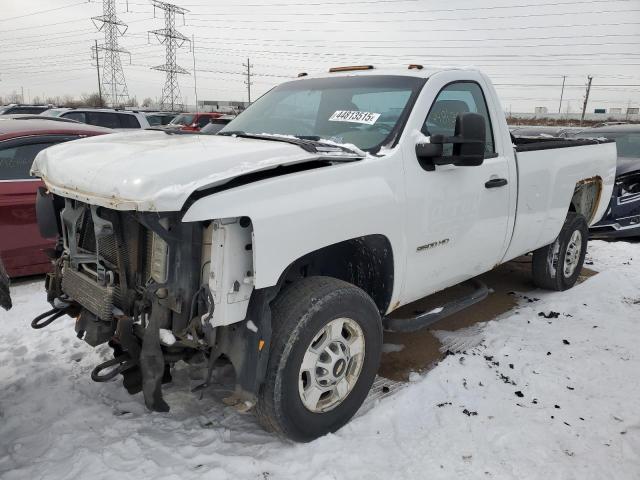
[352, 68]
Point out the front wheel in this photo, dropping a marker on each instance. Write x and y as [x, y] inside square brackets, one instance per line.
[557, 266]
[327, 342]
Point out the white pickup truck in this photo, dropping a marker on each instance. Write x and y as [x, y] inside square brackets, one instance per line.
[283, 244]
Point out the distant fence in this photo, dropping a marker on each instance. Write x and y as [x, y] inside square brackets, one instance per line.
[592, 117]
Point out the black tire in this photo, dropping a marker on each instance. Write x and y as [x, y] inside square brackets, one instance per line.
[548, 262]
[298, 314]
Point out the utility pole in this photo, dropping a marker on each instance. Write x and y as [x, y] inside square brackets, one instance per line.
[564, 77]
[95, 52]
[195, 84]
[248, 80]
[586, 98]
[114, 84]
[172, 40]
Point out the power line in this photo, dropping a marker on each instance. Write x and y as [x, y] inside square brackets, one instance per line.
[494, 17]
[369, 2]
[421, 30]
[44, 11]
[401, 12]
[403, 42]
[33, 27]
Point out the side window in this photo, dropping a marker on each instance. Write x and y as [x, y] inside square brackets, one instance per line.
[77, 116]
[15, 162]
[103, 119]
[128, 121]
[456, 98]
[203, 120]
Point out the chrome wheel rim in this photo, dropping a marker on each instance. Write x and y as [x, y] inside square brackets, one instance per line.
[572, 255]
[331, 365]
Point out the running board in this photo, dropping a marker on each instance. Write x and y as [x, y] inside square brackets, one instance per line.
[425, 319]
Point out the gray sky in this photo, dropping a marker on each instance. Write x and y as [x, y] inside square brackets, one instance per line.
[526, 47]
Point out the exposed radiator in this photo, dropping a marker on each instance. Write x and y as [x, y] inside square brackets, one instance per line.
[84, 290]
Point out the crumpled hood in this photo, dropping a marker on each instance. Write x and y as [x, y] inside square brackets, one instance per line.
[152, 170]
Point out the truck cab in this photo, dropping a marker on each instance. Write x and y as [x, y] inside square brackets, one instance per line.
[283, 243]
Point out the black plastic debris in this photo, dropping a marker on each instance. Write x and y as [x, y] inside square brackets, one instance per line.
[551, 314]
[511, 366]
[519, 394]
[566, 342]
[468, 413]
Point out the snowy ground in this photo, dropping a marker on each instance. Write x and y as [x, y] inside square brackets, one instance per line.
[548, 398]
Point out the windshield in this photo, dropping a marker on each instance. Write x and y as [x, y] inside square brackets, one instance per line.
[367, 111]
[182, 119]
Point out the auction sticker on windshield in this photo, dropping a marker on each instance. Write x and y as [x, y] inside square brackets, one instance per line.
[354, 116]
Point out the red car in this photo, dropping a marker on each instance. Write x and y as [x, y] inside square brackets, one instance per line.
[21, 246]
[192, 122]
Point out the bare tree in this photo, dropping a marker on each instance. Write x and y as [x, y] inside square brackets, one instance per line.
[91, 100]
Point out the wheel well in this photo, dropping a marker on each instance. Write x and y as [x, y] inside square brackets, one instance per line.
[586, 197]
[366, 262]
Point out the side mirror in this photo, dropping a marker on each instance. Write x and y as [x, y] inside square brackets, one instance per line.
[468, 144]
[469, 140]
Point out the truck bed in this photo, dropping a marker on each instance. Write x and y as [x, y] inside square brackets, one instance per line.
[529, 144]
[548, 169]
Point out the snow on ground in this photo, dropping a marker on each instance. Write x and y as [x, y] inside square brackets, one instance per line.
[548, 398]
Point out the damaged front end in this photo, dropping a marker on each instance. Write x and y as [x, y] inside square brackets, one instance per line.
[133, 280]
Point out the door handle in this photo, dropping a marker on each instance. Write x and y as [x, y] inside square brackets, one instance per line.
[496, 182]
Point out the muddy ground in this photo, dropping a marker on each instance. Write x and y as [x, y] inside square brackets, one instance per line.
[421, 350]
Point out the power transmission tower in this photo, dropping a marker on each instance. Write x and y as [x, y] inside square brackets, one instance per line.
[172, 40]
[114, 85]
[586, 98]
[248, 81]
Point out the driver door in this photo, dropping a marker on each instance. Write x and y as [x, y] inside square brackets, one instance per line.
[458, 217]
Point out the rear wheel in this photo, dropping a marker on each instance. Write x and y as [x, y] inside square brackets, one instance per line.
[327, 342]
[558, 265]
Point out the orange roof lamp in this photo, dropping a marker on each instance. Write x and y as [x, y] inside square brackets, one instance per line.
[350, 69]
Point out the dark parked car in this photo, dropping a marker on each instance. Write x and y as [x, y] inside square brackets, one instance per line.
[21, 139]
[622, 218]
[30, 109]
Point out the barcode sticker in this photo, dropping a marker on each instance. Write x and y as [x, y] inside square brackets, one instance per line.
[354, 116]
